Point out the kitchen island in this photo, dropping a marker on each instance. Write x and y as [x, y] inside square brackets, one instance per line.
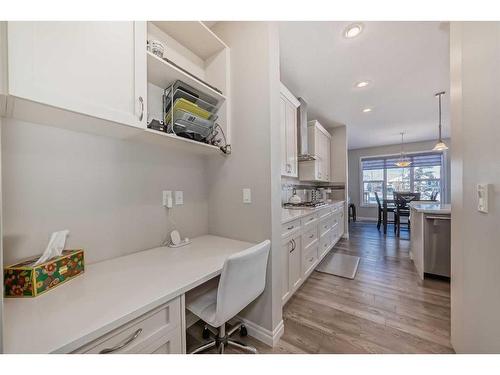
[430, 238]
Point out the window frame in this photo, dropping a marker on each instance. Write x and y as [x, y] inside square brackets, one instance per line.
[442, 179]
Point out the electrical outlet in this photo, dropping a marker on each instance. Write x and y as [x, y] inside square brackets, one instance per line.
[179, 197]
[247, 195]
[167, 198]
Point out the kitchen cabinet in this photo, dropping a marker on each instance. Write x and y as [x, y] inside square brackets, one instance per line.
[93, 68]
[306, 241]
[288, 132]
[319, 141]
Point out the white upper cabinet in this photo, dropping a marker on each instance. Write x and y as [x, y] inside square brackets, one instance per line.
[92, 68]
[288, 130]
[319, 141]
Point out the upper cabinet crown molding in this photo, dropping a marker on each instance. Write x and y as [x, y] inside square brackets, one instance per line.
[289, 96]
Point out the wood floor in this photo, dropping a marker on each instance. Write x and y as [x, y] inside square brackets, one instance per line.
[385, 309]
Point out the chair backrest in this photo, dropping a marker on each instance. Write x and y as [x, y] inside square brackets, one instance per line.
[378, 200]
[242, 280]
[403, 198]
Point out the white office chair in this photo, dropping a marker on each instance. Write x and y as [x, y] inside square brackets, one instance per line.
[242, 280]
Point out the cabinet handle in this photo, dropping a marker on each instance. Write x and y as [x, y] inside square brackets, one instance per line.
[293, 245]
[290, 228]
[311, 236]
[141, 100]
[311, 259]
[125, 343]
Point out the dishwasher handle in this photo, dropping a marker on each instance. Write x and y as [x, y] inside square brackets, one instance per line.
[438, 218]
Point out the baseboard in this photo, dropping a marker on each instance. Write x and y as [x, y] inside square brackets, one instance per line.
[366, 218]
[262, 334]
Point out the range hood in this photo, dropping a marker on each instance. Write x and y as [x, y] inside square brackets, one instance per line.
[304, 154]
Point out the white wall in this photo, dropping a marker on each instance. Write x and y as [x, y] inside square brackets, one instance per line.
[254, 162]
[475, 276]
[107, 192]
[354, 170]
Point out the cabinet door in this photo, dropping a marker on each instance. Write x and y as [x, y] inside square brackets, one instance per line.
[291, 138]
[94, 68]
[341, 223]
[283, 138]
[285, 279]
[294, 264]
[326, 158]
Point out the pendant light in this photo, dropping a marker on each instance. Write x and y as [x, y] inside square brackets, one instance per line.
[440, 146]
[403, 160]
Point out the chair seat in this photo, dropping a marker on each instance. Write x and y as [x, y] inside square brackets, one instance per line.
[202, 301]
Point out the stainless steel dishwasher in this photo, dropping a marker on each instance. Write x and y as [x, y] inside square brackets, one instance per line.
[437, 245]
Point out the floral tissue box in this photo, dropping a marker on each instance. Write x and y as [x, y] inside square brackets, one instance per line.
[25, 280]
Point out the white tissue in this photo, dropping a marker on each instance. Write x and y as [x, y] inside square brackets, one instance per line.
[55, 246]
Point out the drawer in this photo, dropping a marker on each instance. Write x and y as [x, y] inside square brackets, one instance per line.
[309, 237]
[325, 225]
[309, 259]
[290, 228]
[325, 243]
[309, 221]
[324, 212]
[141, 333]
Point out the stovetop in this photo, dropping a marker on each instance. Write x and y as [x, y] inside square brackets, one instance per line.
[304, 205]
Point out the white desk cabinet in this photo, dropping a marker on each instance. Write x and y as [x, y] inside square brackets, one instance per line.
[92, 68]
[288, 130]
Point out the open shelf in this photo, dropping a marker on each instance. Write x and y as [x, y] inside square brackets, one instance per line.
[194, 35]
[174, 141]
[162, 74]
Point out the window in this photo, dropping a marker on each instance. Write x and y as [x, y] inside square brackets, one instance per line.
[381, 175]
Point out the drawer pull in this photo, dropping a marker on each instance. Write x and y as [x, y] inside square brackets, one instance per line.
[293, 245]
[125, 343]
[311, 218]
[311, 236]
[310, 259]
[290, 228]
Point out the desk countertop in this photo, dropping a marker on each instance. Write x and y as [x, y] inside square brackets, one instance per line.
[111, 293]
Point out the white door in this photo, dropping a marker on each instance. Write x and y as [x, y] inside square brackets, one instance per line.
[285, 279]
[283, 138]
[94, 68]
[291, 138]
[294, 264]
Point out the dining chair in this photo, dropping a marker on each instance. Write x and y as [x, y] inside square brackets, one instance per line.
[434, 195]
[402, 209]
[380, 210]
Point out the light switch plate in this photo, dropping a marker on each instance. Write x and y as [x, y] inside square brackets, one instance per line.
[247, 195]
[482, 198]
[179, 197]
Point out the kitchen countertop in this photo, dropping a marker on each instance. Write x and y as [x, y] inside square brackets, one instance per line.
[290, 214]
[431, 208]
[110, 294]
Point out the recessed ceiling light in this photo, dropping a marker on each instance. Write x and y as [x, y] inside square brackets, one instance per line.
[362, 84]
[353, 30]
[366, 110]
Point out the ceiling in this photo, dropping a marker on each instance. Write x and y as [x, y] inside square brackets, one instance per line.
[406, 63]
